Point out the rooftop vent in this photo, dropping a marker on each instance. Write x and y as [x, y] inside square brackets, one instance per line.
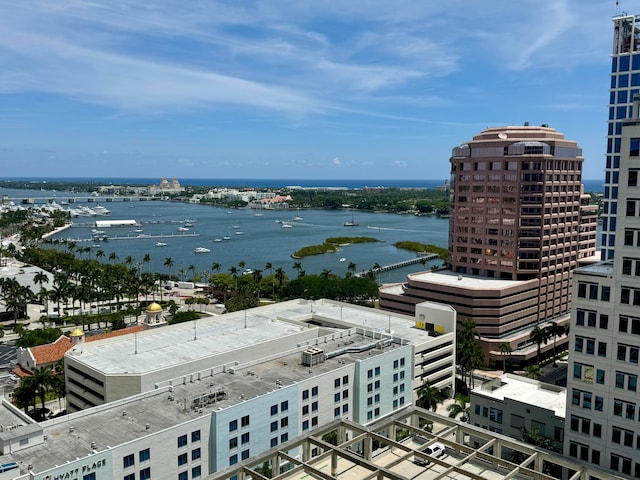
[313, 356]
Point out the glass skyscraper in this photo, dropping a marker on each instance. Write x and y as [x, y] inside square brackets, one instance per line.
[625, 83]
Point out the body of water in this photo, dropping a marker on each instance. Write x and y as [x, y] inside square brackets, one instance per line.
[254, 237]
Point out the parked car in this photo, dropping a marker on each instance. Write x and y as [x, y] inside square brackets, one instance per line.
[435, 450]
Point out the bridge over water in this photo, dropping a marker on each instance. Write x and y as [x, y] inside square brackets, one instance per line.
[421, 258]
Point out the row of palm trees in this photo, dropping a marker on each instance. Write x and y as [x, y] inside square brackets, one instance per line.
[542, 335]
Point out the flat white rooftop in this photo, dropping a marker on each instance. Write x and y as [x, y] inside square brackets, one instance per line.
[172, 345]
[526, 390]
[463, 280]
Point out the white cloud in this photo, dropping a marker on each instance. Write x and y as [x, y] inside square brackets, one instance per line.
[400, 163]
[336, 161]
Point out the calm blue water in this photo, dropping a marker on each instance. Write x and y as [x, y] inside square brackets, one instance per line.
[263, 239]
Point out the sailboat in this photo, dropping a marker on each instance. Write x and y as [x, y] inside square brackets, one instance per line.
[351, 223]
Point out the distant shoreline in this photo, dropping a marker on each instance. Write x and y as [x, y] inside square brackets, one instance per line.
[591, 185]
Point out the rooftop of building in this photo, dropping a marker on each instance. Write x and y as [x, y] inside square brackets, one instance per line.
[599, 268]
[450, 278]
[525, 390]
[159, 348]
[122, 421]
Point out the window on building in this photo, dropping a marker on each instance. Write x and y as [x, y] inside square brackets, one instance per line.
[233, 459]
[196, 471]
[182, 459]
[305, 394]
[245, 454]
[284, 422]
[244, 438]
[244, 421]
[195, 454]
[182, 441]
[274, 410]
[144, 455]
[128, 461]
[233, 425]
[145, 473]
[195, 436]
[314, 391]
[233, 443]
[131, 476]
[183, 476]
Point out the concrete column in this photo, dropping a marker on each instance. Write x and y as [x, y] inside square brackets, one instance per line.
[334, 464]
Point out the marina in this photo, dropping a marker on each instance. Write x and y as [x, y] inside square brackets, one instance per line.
[260, 241]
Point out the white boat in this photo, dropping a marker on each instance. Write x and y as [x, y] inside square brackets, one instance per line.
[343, 259]
[351, 223]
[236, 226]
[100, 210]
[248, 271]
[183, 229]
[297, 218]
[226, 237]
[202, 250]
[161, 244]
[239, 232]
[287, 225]
[217, 239]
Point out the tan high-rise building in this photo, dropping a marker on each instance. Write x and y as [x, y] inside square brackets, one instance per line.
[519, 226]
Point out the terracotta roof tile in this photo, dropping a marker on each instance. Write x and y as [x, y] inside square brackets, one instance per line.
[52, 352]
[21, 372]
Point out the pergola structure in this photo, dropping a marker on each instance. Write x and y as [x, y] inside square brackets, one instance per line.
[389, 448]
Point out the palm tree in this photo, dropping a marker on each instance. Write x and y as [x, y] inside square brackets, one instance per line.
[191, 269]
[42, 377]
[113, 257]
[429, 397]
[215, 266]
[169, 263]
[280, 276]
[298, 267]
[539, 336]
[99, 254]
[460, 407]
[554, 331]
[533, 371]
[146, 259]
[505, 349]
[351, 268]
[269, 266]
[469, 352]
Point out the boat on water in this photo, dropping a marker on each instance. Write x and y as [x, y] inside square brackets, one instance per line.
[286, 225]
[248, 271]
[202, 250]
[183, 229]
[217, 239]
[238, 232]
[100, 210]
[226, 237]
[161, 244]
[352, 222]
[343, 259]
[297, 218]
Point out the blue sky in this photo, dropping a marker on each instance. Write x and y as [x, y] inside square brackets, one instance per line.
[292, 89]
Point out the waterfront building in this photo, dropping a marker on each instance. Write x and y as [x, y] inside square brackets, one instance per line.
[510, 403]
[166, 187]
[520, 223]
[188, 400]
[603, 403]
